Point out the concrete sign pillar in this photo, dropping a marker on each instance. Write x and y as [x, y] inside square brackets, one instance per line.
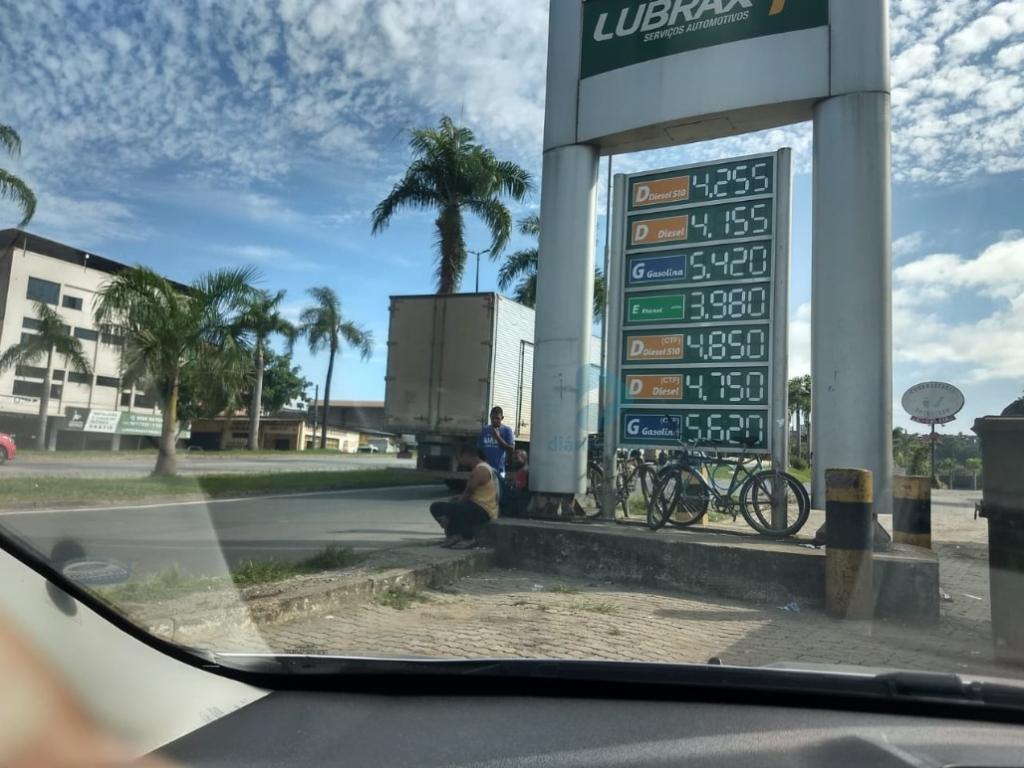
[565, 297]
[851, 271]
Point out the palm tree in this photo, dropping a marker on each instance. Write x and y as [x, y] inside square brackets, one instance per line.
[521, 266]
[452, 174]
[54, 337]
[171, 335]
[260, 319]
[799, 395]
[11, 187]
[323, 327]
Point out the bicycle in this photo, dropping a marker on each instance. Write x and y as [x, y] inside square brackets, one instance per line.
[765, 497]
[631, 473]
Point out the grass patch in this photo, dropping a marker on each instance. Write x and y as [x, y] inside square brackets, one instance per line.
[231, 453]
[399, 598]
[173, 582]
[40, 491]
[563, 589]
[593, 606]
[803, 475]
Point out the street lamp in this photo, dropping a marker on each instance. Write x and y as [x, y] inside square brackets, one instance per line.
[478, 254]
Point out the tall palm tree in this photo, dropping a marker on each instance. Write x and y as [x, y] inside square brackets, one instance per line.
[259, 320]
[324, 327]
[53, 338]
[11, 187]
[453, 174]
[170, 334]
[521, 266]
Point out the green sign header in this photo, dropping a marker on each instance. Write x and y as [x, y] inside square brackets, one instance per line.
[618, 33]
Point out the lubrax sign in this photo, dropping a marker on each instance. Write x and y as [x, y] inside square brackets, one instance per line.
[617, 33]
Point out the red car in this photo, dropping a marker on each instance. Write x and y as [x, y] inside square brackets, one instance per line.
[8, 448]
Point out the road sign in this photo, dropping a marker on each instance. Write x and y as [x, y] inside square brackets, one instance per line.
[933, 402]
[702, 326]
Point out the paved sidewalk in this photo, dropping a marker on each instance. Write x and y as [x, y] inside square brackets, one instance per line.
[519, 614]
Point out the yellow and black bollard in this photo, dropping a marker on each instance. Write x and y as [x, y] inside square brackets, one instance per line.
[849, 528]
[912, 511]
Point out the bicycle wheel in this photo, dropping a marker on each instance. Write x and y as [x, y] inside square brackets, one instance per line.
[679, 499]
[594, 494]
[770, 491]
[636, 489]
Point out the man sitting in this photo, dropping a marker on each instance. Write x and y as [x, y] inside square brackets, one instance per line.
[462, 517]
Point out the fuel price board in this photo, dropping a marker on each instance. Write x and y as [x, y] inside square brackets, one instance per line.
[702, 257]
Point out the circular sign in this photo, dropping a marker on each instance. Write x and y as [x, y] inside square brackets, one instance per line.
[933, 402]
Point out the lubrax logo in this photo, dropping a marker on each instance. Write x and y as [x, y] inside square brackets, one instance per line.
[651, 17]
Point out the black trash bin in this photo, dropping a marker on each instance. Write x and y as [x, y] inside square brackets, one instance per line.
[1002, 451]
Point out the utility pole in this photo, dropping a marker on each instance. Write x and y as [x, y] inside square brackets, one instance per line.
[478, 254]
[316, 400]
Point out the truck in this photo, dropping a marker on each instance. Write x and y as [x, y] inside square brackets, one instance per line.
[450, 359]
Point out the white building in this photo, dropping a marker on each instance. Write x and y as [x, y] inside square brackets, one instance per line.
[86, 411]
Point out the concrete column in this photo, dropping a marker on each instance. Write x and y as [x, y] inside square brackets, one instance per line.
[851, 298]
[565, 297]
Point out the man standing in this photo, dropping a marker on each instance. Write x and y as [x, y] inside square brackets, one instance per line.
[497, 441]
[462, 517]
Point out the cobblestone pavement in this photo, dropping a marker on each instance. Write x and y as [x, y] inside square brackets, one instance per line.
[519, 614]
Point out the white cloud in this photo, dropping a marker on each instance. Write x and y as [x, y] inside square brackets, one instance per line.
[929, 328]
[800, 341]
[269, 257]
[907, 244]
[85, 222]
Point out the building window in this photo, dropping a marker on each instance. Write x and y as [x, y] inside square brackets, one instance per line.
[109, 381]
[71, 302]
[28, 388]
[141, 401]
[43, 290]
[31, 323]
[86, 334]
[79, 378]
[57, 390]
[112, 339]
[240, 435]
[35, 372]
[126, 399]
[26, 337]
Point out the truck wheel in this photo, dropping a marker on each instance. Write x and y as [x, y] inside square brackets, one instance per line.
[456, 486]
[3, 455]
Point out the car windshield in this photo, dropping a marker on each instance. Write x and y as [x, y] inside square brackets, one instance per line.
[685, 332]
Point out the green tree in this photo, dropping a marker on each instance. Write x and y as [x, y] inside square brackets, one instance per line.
[282, 382]
[11, 187]
[53, 338]
[324, 328]
[259, 321]
[172, 336]
[520, 270]
[452, 174]
[799, 394]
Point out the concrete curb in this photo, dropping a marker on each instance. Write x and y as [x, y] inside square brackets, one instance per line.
[196, 618]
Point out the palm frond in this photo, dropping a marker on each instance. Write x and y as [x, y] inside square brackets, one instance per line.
[530, 225]
[10, 140]
[498, 220]
[357, 337]
[516, 265]
[14, 189]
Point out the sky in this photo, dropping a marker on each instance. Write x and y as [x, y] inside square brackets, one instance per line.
[195, 134]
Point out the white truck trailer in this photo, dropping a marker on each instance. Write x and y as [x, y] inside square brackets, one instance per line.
[451, 358]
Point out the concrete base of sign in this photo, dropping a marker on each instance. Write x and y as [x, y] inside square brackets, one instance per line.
[717, 564]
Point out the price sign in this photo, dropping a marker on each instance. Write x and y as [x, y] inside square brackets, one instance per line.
[703, 256]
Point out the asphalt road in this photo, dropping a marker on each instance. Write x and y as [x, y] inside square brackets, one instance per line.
[201, 536]
[140, 465]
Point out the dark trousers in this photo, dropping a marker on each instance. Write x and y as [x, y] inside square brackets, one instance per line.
[464, 517]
